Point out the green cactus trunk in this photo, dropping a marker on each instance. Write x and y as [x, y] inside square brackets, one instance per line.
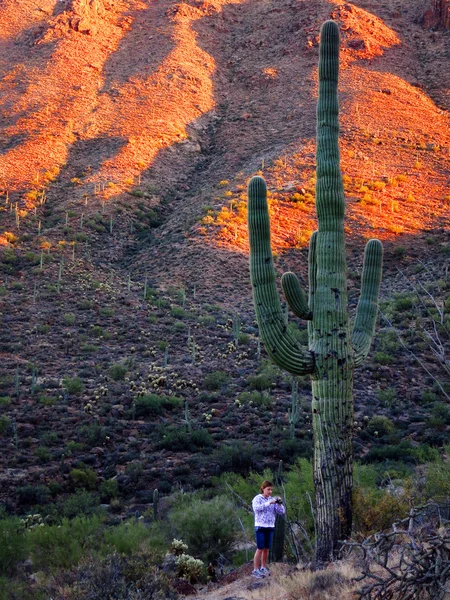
[334, 347]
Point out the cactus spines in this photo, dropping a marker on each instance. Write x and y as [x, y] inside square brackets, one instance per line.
[334, 347]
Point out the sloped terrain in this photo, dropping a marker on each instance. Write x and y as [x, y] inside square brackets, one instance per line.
[129, 130]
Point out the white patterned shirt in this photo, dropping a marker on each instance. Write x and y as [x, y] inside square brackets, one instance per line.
[265, 511]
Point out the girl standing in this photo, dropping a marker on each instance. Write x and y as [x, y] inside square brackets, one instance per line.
[265, 508]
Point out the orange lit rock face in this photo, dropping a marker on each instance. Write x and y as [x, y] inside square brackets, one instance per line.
[97, 94]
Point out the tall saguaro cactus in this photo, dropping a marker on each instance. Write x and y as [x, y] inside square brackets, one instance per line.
[335, 347]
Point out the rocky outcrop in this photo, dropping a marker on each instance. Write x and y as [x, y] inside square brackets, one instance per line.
[437, 15]
[86, 15]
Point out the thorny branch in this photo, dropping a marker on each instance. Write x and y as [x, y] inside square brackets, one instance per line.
[408, 563]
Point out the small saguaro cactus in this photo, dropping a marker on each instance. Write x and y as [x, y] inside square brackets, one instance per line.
[335, 347]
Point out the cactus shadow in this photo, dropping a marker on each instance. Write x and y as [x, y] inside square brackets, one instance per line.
[134, 47]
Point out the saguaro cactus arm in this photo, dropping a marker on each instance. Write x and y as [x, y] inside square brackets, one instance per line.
[295, 296]
[280, 345]
[366, 314]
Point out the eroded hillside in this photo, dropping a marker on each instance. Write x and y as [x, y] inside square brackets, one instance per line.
[128, 131]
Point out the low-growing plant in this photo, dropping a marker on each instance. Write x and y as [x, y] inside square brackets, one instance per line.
[209, 527]
[117, 371]
[215, 380]
[155, 404]
[84, 478]
[73, 385]
[380, 425]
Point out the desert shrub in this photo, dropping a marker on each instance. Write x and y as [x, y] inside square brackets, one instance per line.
[235, 456]
[215, 380]
[69, 318]
[209, 527]
[31, 495]
[380, 425]
[13, 544]
[155, 404]
[84, 478]
[63, 545]
[176, 439]
[387, 397]
[117, 372]
[382, 358]
[123, 578]
[4, 424]
[43, 454]
[128, 538]
[437, 480]
[262, 381]
[375, 510]
[439, 416]
[403, 302]
[80, 503]
[207, 320]
[201, 438]
[255, 398]
[73, 385]
[92, 434]
[400, 452]
[108, 490]
[290, 450]
[134, 471]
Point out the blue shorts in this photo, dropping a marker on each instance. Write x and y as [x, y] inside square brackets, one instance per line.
[264, 537]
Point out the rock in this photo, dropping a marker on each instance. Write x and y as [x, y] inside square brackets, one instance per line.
[169, 564]
[437, 15]
[184, 587]
[86, 15]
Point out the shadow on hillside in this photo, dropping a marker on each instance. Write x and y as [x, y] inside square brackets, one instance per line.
[142, 49]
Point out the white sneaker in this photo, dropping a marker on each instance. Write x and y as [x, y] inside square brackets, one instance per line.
[264, 571]
[257, 574]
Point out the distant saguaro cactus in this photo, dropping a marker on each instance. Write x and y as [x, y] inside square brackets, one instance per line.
[335, 348]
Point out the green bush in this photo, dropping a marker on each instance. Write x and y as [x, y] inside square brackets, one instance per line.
[437, 483]
[176, 439]
[84, 478]
[122, 577]
[4, 424]
[92, 434]
[439, 417]
[69, 318]
[118, 371]
[109, 490]
[128, 538]
[382, 358]
[43, 454]
[255, 398]
[31, 495]
[235, 456]
[155, 404]
[13, 545]
[73, 385]
[80, 503]
[215, 380]
[209, 527]
[262, 381]
[380, 426]
[64, 545]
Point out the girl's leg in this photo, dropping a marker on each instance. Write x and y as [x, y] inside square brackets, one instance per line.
[257, 559]
[265, 557]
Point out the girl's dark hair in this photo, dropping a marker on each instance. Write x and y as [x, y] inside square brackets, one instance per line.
[265, 484]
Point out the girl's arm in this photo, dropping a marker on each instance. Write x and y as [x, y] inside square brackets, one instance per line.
[259, 504]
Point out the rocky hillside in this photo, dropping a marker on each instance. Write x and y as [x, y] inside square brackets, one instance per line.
[129, 130]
